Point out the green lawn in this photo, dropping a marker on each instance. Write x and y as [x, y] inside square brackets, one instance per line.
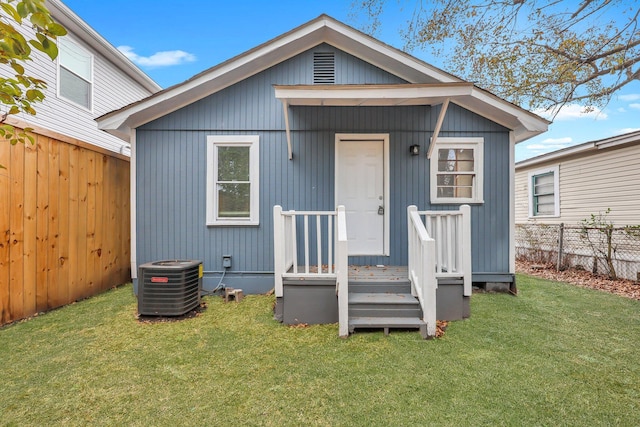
[554, 355]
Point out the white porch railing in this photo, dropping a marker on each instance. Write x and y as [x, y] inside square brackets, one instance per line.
[439, 247]
[451, 231]
[422, 268]
[333, 249]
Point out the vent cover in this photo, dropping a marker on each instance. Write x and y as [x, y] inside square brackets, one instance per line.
[324, 68]
[169, 288]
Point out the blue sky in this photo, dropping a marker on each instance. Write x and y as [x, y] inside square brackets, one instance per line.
[174, 40]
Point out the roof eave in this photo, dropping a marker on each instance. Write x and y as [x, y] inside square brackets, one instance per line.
[323, 29]
[617, 141]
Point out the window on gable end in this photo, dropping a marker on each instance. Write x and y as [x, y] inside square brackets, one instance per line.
[457, 169]
[75, 73]
[544, 197]
[232, 180]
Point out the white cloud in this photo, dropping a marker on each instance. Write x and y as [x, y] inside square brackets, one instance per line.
[621, 110]
[629, 97]
[572, 112]
[158, 59]
[635, 106]
[626, 130]
[551, 144]
[564, 140]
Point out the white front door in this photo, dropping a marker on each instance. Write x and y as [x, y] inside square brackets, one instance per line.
[361, 186]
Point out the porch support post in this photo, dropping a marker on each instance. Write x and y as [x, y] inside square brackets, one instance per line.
[436, 131]
[285, 106]
[342, 272]
[466, 250]
[278, 249]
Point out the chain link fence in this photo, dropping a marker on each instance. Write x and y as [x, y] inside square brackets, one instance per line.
[614, 252]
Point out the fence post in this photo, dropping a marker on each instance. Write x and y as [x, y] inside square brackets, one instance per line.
[560, 244]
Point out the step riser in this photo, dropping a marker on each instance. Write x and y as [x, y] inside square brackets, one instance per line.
[384, 307]
[400, 288]
[387, 312]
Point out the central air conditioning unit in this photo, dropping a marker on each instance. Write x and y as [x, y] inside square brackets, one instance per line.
[169, 288]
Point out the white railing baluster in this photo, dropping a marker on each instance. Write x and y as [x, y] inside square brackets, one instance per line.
[451, 267]
[294, 243]
[306, 244]
[319, 243]
[329, 244]
[439, 245]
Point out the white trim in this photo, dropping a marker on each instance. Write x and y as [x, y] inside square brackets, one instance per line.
[132, 195]
[477, 143]
[556, 190]
[384, 137]
[251, 141]
[70, 40]
[512, 204]
[371, 95]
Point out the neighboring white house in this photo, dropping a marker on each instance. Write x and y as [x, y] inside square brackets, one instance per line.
[89, 78]
[569, 185]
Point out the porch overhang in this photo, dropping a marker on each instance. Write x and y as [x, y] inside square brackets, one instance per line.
[524, 124]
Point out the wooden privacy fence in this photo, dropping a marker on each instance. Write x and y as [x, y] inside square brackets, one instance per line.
[64, 223]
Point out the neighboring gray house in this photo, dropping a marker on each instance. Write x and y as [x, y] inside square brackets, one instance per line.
[320, 117]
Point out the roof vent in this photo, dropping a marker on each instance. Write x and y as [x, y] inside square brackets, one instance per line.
[324, 68]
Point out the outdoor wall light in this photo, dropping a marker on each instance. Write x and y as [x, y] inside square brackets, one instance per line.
[414, 150]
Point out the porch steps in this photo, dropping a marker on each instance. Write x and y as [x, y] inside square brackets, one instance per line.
[384, 305]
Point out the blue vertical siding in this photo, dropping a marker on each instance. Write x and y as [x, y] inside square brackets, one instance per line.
[171, 168]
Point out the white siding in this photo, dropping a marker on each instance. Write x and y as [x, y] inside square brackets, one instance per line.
[590, 183]
[112, 89]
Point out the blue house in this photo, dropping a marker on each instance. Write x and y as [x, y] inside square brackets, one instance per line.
[328, 166]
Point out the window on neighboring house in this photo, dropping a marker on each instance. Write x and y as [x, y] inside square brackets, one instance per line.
[232, 180]
[75, 73]
[456, 170]
[543, 193]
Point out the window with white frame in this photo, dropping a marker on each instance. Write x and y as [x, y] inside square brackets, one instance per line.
[457, 170]
[232, 180]
[75, 73]
[544, 197]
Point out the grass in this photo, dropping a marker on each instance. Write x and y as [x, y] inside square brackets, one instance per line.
[554, 355]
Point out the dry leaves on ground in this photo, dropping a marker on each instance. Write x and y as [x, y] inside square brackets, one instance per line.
[585, 279]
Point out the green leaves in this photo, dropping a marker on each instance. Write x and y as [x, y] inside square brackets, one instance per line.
[12, 12]
[18, 93]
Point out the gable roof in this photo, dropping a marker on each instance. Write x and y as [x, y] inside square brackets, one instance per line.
[323, 29]
[584, 149]
[74, 24]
